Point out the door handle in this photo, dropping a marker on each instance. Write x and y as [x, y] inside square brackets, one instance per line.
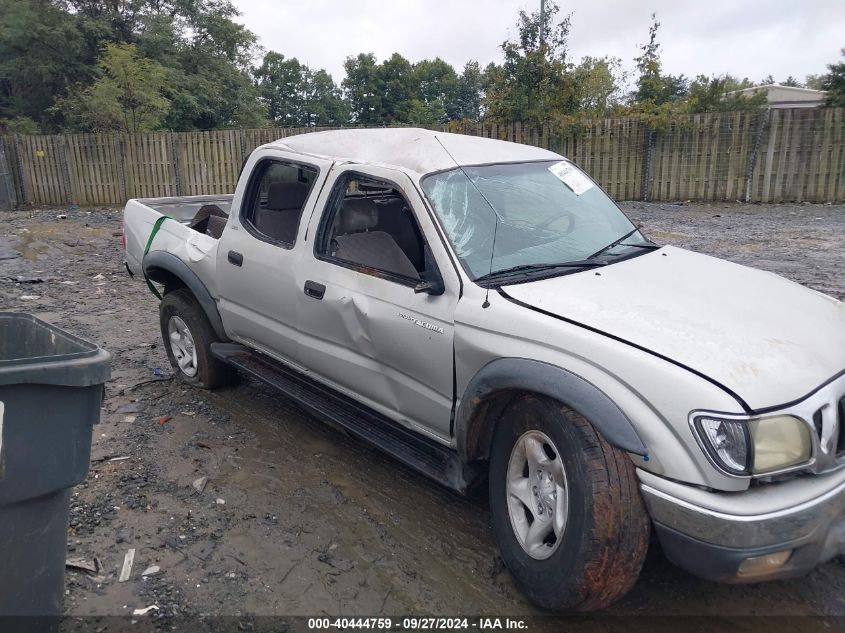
[315, 290]
[235, 258]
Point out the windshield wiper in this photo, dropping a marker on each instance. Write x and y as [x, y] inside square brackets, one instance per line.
[649, 245]
[531, 268]
[614, 243]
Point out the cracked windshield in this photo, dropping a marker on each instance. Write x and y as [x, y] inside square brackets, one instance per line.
[547, 213]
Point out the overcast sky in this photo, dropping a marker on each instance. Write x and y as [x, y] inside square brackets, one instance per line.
[743, 37]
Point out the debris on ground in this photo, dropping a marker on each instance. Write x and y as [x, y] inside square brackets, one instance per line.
[199, 484]
[126, 570]
[132, 407]
[81, 564]
[23, 279]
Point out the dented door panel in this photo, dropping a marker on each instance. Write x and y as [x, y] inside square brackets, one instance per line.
[374, 337]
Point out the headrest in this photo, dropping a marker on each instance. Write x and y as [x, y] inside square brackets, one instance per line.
[390, 211]
[287, 195]
[356, 215]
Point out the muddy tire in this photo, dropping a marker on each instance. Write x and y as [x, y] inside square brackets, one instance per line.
[565, 506]
[187, 337]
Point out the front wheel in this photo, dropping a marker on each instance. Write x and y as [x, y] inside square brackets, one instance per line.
[188, 336]
[565, 507]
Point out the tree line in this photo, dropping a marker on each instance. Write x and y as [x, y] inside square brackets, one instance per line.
[141, 65]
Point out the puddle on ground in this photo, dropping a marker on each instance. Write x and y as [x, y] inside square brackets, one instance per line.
[38, 240]
[30, 247]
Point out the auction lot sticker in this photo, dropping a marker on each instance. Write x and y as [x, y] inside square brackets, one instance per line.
[572, 177]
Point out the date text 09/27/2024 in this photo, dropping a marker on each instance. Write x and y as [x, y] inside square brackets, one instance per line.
[418, 624]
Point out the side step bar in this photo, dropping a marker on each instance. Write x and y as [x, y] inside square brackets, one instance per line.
[423, 455]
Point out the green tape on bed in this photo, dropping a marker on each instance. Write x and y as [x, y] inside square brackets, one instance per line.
[153, 233]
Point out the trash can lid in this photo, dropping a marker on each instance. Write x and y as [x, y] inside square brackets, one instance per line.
[35, 352]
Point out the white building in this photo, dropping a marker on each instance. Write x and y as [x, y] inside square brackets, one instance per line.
[779, 96]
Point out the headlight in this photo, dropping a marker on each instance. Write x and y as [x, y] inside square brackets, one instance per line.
[779, 442]
[757, 446]
[727, 441]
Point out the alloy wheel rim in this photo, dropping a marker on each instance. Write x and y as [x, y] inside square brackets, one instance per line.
[537, 494]
[182, 346]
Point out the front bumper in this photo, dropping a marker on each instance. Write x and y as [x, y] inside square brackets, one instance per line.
[712, 534]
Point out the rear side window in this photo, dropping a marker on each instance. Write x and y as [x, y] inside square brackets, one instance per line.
[275, 200]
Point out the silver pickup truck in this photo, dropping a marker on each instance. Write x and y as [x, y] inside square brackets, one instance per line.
[481, 309]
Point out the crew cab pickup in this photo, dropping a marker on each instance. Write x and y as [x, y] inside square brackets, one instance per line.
[482, 310]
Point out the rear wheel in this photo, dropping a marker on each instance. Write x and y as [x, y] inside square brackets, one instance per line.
[565, 507]
[188, 336]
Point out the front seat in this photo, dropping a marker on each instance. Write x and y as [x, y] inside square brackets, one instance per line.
[279, 219]
[355, 242]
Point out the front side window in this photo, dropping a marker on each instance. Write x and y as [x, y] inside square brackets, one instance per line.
[500, 217]
[276, 198]
[369, 226]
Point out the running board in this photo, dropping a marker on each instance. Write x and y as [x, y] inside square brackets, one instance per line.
[412, 449]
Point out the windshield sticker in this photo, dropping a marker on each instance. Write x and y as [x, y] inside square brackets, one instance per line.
[572, 177]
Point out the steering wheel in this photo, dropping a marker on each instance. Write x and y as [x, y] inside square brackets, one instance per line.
[549, 221]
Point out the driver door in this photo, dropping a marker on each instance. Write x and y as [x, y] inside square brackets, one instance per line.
[363, 327]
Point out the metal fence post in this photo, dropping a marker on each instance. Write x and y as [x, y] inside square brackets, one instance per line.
[755, 150]
[121, 168]
[243, 145]
[650, 137]
[6, 178]
[19, 160]
[66, 171]
[174, 152]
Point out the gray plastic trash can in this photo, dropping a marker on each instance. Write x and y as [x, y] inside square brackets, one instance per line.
[51, 390]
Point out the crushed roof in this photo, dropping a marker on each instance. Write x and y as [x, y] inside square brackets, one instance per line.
[412, 149]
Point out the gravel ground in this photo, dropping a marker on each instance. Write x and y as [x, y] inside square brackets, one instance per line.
[294, 518]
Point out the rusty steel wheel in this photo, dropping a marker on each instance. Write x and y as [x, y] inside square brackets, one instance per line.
[565, 507]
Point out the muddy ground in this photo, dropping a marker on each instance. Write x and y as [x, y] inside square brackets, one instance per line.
[296, 519]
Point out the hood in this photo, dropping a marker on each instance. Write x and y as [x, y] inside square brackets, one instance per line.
[769, 340]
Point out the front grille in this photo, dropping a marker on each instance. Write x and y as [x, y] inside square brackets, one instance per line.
[840, 444]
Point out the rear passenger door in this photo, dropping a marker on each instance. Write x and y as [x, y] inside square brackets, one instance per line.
[257, 258]
[364, 328]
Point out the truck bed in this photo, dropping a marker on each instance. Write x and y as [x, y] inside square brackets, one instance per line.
[184, 208]
[195, 249]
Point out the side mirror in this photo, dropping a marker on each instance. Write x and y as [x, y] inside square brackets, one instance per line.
[430, 288]
[432, 281]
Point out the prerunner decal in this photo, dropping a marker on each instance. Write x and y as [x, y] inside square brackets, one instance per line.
[422, 324]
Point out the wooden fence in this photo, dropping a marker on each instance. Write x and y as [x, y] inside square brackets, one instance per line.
[756, 156]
